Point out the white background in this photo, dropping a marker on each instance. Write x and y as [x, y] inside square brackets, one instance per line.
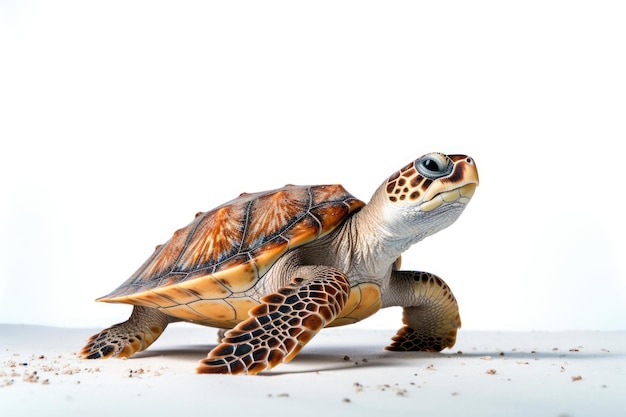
[119, 120]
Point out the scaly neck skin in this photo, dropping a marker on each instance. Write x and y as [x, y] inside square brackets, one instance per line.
[371, 241]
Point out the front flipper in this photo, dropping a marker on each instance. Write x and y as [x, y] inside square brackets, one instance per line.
[431, 314]
[280, 327]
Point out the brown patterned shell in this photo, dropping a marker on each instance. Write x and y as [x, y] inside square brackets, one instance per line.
[202, 271]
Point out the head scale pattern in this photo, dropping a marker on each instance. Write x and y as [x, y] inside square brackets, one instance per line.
[407, 184]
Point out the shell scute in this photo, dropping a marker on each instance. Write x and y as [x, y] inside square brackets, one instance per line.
[217, 236]
[206, 285]
[364, 300]
[306, 230]
[215, 310]
[264, 257]
[328, 216]
[269, 214]
[162, 300]
[185, 311]
[163, 258]
[236, 274]
[242, 305]
[183, 295]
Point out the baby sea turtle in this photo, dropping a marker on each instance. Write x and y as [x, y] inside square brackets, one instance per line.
[276, 267]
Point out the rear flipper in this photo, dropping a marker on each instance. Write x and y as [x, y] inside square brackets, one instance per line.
[280, 327]
[121, 340]
[431, 314]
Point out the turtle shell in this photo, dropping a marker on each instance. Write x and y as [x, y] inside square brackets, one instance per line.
[203, 271]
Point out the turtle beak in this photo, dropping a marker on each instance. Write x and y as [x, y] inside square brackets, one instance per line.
[464, 174]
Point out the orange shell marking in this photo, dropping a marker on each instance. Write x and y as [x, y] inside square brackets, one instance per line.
[201, 272]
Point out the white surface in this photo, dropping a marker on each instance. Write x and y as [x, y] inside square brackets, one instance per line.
[553, 374]
[120, 120]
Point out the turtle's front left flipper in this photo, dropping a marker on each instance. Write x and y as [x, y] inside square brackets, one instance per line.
[431, 314]
[285, 321]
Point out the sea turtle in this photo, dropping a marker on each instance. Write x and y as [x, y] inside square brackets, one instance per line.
[276, 267]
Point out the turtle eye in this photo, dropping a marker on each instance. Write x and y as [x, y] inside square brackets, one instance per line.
[433, 166]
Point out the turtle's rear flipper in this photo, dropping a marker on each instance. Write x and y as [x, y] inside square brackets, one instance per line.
[285, 321]
[143, 327]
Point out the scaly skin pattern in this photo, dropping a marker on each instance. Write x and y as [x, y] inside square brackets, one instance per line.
[280, 327]
[431, 318]
[143, 327]
[276, 267]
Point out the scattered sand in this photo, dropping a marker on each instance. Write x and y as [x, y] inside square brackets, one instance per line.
[342, 372]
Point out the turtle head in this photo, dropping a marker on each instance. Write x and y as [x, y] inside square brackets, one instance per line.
[428, 194]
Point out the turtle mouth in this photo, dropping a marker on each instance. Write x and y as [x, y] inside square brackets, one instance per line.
[460, 195]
